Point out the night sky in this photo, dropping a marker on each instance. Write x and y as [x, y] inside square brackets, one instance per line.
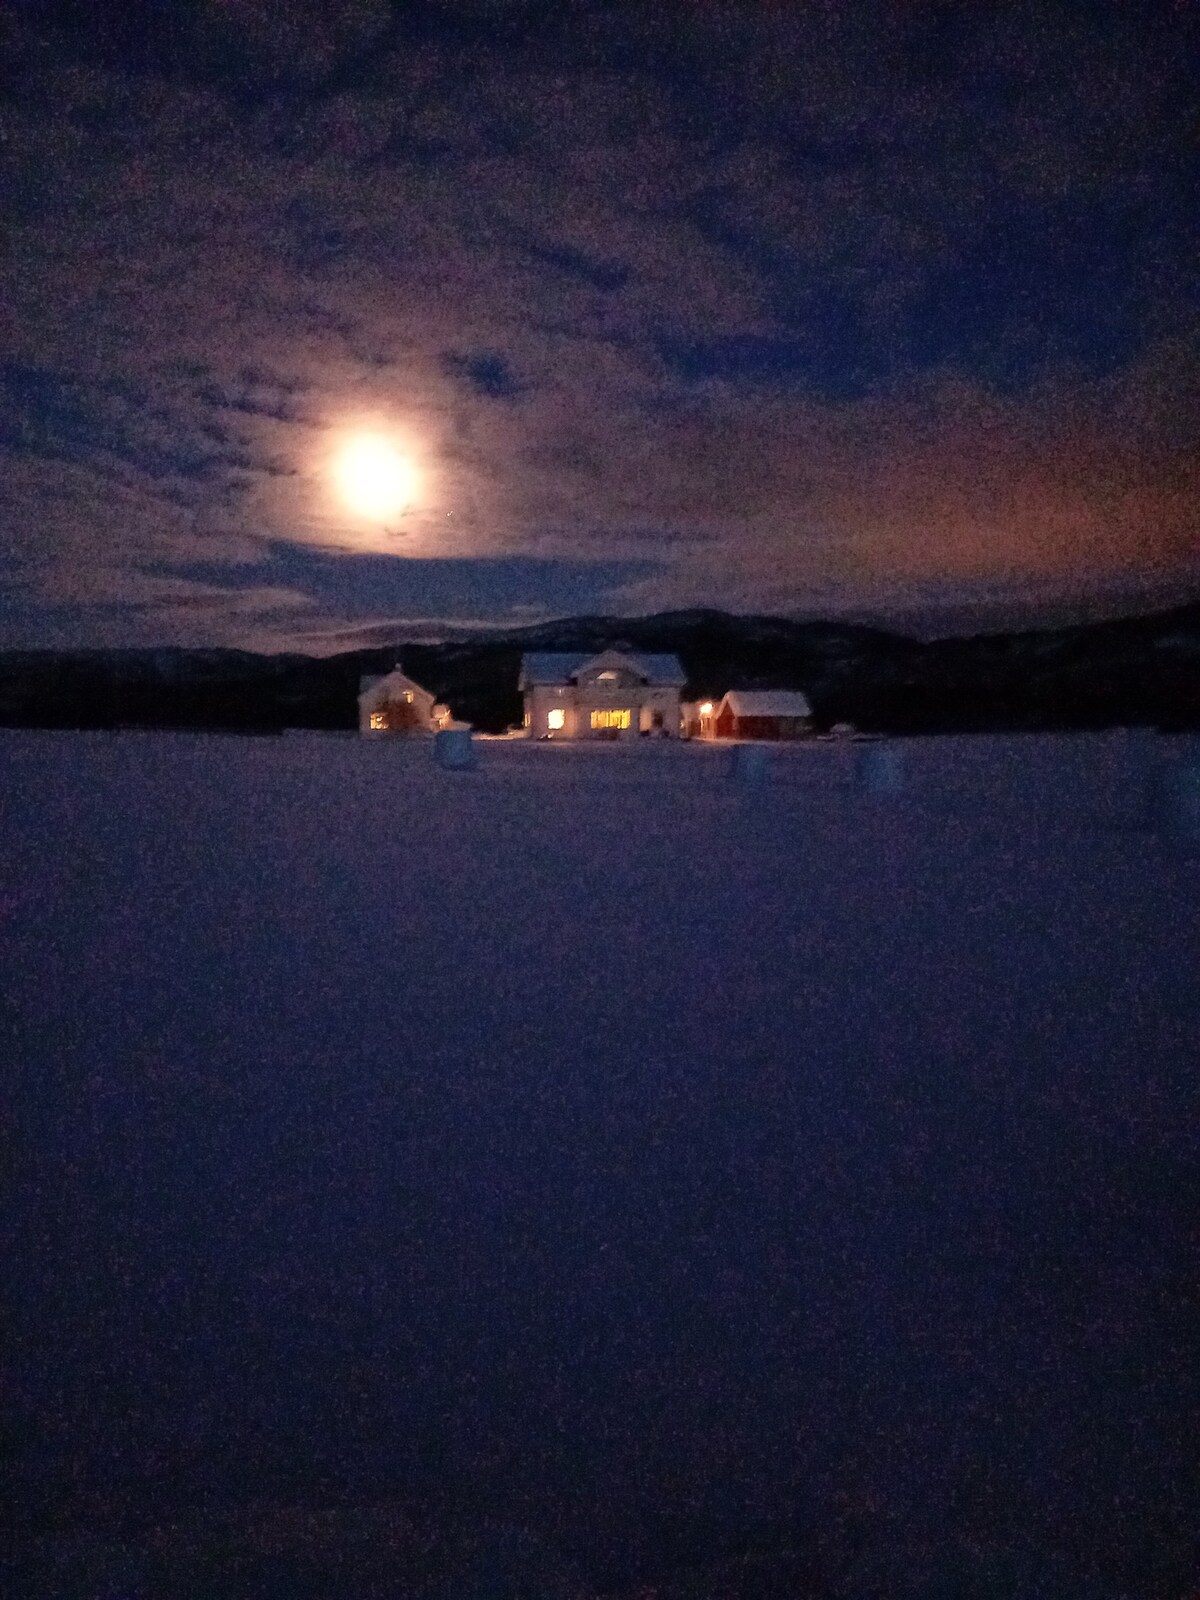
[882, 311]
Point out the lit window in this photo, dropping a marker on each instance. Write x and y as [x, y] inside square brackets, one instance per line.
[408, 697]
[610, 719]
[556, 719]
[378, 720]
[607, 677]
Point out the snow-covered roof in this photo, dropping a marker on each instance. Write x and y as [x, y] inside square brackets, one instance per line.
[550, 666]
[767, 703]
[561, 667]
[396, 679]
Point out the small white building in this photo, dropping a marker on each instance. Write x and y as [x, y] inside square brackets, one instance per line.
[395, 704]
[614, 695]
[697, 717]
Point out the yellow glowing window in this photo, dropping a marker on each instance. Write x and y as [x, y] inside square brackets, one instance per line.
[556, 719]
[379, 719]
[408, 700]
[610, 719]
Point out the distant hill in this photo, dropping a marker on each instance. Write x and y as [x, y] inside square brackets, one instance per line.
[1137, 670]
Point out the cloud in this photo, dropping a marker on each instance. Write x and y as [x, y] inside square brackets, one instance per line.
[366, 585]
[596, 273]
[773, 309]
[485, 373]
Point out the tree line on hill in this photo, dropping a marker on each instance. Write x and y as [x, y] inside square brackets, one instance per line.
[1128, 672]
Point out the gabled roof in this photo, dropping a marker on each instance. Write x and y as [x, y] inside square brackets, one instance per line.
[562, 667]
[550, 667]
[393, 680]
[767, 703]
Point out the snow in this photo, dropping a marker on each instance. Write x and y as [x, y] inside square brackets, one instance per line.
[595, 1138]
[767, 703]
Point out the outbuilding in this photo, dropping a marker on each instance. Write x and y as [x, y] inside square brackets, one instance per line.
[697, 717]
[393, 703]
[763, 714]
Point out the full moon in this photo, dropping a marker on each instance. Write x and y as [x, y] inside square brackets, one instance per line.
[374, 479]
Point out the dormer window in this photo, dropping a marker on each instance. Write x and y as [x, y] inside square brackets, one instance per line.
[608, 677]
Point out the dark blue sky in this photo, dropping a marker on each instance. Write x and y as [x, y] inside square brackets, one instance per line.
[876, 310]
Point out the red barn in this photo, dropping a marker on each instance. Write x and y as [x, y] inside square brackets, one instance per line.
[763, 714]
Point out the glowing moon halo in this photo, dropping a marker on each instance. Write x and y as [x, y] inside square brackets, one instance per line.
[375, 481]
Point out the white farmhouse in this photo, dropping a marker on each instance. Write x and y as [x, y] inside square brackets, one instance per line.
[395, 704]
[613, 695]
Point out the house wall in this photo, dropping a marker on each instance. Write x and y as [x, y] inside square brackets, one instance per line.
[577, 702]
[731, 727]
[388, 696]
[698, 724]
[608, 690]
[540, 700]
[663, 702]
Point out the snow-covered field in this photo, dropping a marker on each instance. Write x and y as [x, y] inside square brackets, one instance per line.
[598, 1159]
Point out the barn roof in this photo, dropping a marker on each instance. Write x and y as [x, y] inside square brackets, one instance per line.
[561, 667]
[768, 703]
